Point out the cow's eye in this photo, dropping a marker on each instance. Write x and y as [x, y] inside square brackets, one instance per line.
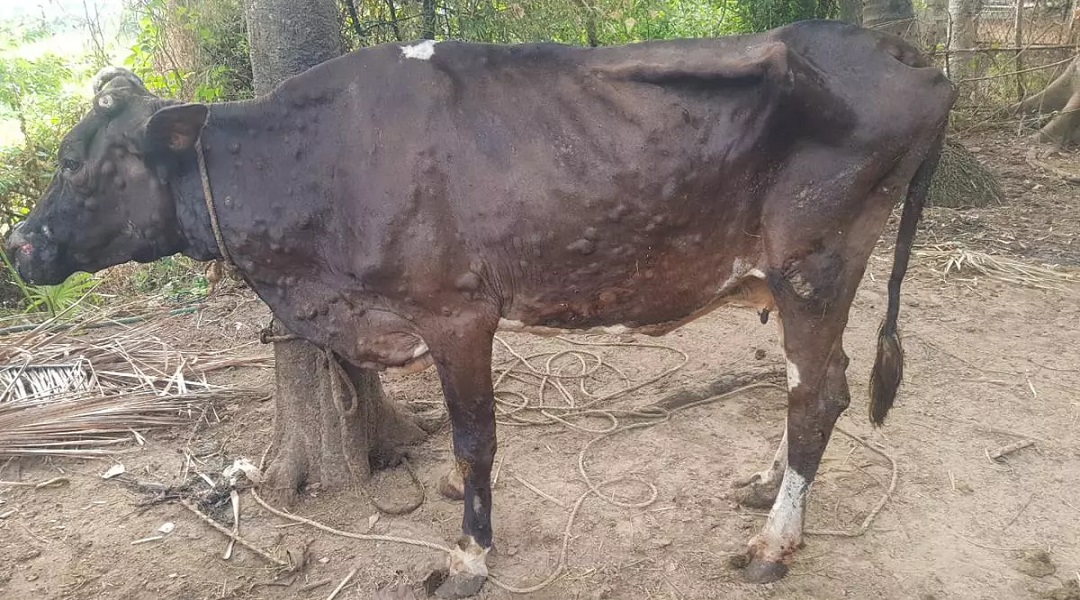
[70, 165]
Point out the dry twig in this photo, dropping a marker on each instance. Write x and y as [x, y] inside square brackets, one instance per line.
[229, 534]
[1009, 449]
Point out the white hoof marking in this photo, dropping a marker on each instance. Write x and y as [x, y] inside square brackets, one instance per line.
[470, 560]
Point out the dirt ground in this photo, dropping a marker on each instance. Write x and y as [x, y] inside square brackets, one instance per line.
[988, 364]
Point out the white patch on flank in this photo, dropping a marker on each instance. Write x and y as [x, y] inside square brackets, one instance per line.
[508, 325]
[422, 51]
[740, 269]
[519, 327]
[471, 560]
[792, 374]
[783, 530]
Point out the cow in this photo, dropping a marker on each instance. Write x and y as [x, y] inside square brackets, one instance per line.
[400, 204]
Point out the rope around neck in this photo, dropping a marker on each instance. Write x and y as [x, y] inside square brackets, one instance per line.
[208, 195]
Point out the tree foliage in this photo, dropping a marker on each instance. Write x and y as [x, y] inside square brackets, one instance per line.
[191, 49]
[34, 93]
[759, 15]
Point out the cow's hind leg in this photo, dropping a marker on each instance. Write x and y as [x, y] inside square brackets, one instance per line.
[760, 489]
[814, 316]
[464, 365]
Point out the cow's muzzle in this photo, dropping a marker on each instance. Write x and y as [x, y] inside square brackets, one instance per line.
[34, 261]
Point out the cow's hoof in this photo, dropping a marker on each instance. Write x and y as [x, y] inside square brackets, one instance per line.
[451, 485]
[756, 493]
[762, 571]
[461, 585]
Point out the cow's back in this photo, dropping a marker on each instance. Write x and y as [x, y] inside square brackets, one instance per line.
[576, 182]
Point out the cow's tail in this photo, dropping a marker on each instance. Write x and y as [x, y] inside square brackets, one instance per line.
[888, 369]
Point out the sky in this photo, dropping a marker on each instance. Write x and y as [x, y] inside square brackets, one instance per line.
[71, 39]
[18, 9]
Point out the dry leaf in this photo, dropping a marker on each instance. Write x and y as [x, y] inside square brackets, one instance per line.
[117, 469]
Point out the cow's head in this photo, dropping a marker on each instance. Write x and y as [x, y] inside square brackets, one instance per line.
[110, 201]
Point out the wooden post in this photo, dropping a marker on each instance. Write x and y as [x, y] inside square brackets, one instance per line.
[1018, 41]
[1074, 7]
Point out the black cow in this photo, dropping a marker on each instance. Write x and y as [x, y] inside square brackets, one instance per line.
[401, 203]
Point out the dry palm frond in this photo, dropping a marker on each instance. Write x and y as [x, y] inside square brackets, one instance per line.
[39, 381]
[85, 425]
[949, 258]
[66, 393]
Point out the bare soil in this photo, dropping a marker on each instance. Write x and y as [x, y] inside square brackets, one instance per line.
[988, 364]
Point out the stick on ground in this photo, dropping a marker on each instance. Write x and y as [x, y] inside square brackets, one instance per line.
[1013, 447]
[239, 540]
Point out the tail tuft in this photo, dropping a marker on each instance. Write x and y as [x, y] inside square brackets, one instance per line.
[887, 374]
[888, 369]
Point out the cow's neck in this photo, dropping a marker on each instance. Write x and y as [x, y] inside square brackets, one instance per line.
[265, 185]
[192, 215]
[230, 152]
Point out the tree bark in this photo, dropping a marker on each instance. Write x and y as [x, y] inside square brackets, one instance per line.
[332, 422]
[427, 14]
[892, 16]
[935, 28]
[851, 11]
[289, 37]
[963, 37]
[588, 13]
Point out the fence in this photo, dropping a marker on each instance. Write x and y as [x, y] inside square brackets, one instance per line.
[1018, 50]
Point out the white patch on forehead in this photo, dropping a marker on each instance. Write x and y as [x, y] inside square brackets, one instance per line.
[422, 51]
[792, 374]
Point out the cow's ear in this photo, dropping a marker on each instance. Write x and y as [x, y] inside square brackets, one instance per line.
[175, 128]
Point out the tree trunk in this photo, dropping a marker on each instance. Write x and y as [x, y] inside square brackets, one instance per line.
[427, 14]
[588, 13]
[892, 16]
[935, 28]
[851, 11]
[963, 38]
[1062, 96]
[289, 37]
[332, 423]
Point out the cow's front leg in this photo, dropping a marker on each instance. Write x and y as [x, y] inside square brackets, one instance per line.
[464, 366]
